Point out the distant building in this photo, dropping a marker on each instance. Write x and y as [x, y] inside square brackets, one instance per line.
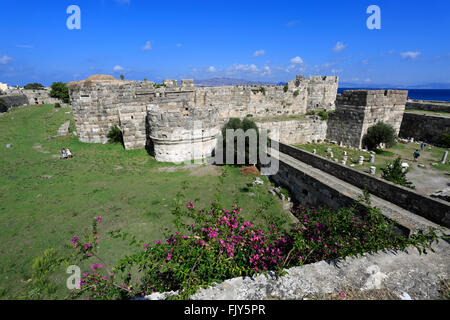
[3, 87]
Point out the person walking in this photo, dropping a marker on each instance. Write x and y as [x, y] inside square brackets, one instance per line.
[416, 154]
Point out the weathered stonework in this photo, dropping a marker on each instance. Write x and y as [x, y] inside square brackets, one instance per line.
[428, 128]
[40, 96]
[436, 106]
[307, 130]
[170, 120]
[357, 110]
[12, 101]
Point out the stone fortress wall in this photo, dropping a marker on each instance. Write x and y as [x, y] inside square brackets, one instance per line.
[357, 110]
[181, 122]
[17, 97]
[171, 119]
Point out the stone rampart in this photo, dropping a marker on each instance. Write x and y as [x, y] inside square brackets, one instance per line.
[307, 130]
[357, 110]
[428, 128]
[101, 102]
[436, 106]
[12, 101]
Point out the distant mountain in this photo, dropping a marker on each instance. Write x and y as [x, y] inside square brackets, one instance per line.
[217, 82]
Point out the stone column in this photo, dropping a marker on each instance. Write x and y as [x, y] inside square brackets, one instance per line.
[444, 157]
[373, 169]
[372, 158]
[361, 160]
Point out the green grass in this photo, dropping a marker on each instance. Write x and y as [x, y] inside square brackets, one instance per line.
[382, 157]
[127, 188]
[281, 118]
[427, 112]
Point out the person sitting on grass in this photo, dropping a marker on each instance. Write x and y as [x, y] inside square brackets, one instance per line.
[63, 153]
[416, 154]
[69, 153]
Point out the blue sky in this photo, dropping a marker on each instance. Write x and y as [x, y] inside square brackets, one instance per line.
[256, 40]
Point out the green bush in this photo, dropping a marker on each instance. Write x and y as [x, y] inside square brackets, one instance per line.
[122, 77]
[214, 244]
[60, 91]
[286, 88]
[235, 124]
[393, 172]
[323, 115]
[115, 135]
[262, 90]
[296, 93]
[34, 86]
[57, 105]
[379, 133]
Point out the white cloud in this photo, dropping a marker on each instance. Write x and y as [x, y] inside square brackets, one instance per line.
[297, 60]
[118, 68]
[147, 47]
[368, 80]
[339, 47]
[410, 55]
[292, 23]
[179, 45]
[266, 71]
[365, 61]
[24, 46]
[336, 70]
[327, 65]
[5, 60]
[259, 53]
[211, 69]
[244, 67]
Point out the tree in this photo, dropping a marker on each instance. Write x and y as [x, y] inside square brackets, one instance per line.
[394, 173]
[60, 91]
[246, 124]
[122, 77]
[286, 87]
[34, 86]
[115, 135]
[379, 133]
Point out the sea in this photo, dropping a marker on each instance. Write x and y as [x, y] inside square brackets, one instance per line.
[419, 94]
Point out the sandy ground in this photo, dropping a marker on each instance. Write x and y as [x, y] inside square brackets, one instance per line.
[428, 180]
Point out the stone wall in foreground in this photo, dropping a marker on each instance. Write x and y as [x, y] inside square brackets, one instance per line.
[435, 210]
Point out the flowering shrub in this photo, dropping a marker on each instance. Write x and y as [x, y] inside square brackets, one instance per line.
[219, 245]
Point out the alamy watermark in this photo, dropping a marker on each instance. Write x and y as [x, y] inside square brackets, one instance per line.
[73, 281]
[74, 20]
[374, 20]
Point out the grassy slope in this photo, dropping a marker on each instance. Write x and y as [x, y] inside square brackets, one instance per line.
[125, 187]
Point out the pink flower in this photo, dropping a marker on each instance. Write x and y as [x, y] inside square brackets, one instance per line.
[342, 294]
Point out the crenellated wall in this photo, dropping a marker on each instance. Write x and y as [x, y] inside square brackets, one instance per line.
[100, 102]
